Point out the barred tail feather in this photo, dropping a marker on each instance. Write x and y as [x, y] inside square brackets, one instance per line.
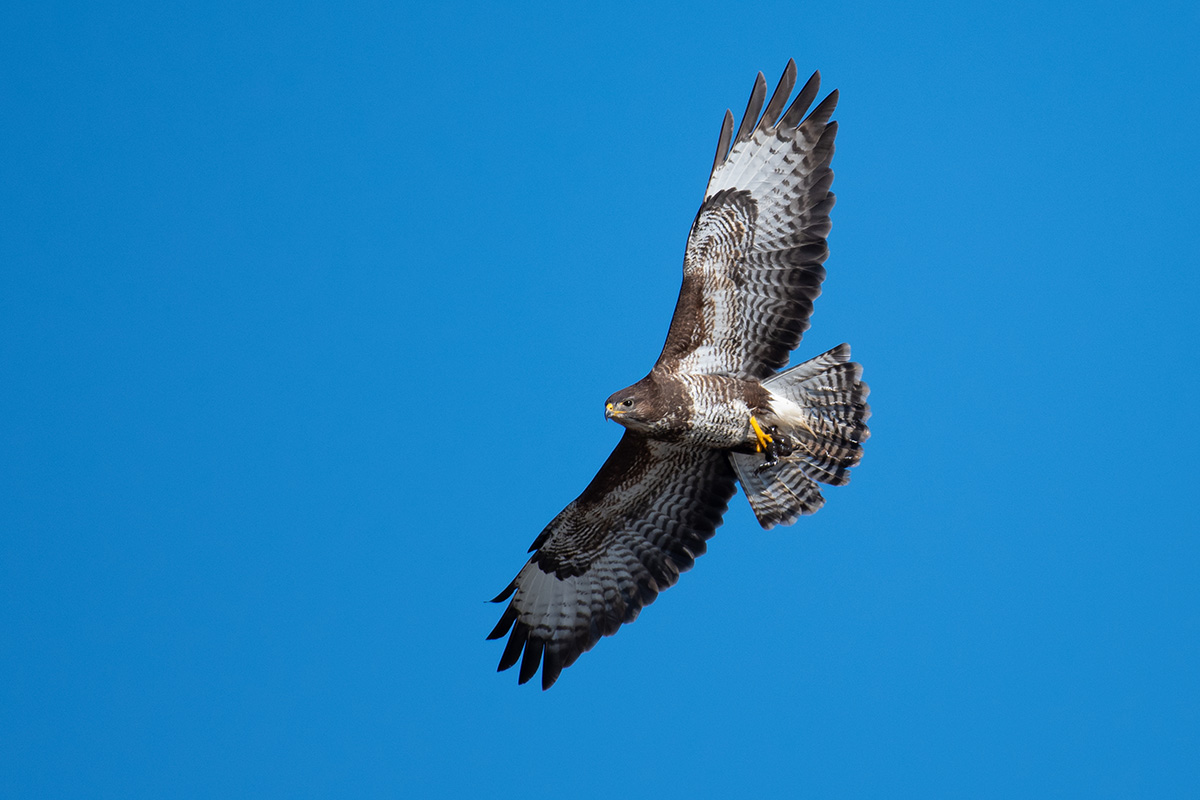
[829, 400]
[780, 494]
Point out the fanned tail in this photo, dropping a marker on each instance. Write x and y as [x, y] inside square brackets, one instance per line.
[822, 406]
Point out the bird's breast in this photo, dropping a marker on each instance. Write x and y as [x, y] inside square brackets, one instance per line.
[720, 417]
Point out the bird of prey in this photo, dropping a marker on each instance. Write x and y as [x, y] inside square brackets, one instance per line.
[715, 410]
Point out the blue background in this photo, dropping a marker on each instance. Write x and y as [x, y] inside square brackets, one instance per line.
[307, 315]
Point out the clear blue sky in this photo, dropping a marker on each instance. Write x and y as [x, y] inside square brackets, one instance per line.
[307, 314]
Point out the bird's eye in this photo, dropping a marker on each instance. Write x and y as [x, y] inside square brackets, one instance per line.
[627, 404]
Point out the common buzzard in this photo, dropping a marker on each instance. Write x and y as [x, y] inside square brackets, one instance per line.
[714, 411]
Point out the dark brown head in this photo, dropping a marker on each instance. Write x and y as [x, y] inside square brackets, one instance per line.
[634, 407]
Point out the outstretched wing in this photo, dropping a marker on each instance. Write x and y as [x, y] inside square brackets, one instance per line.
[753, 264]
[642, 520]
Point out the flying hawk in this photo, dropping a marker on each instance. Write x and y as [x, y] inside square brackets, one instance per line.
[714, 411]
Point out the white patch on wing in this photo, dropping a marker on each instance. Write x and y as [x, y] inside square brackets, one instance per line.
[715, 250]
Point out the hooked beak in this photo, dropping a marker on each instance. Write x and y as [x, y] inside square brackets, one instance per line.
[609, 411]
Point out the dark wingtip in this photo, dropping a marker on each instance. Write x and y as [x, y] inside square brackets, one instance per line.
[757, 95]
[779, 98]
[722, 142]
[799, 106]
[507, 593]
[824, 110]
[506, 620]
[552, 666]
[531, 660]
[512, 650]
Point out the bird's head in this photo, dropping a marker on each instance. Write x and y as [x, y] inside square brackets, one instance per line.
[630, 407]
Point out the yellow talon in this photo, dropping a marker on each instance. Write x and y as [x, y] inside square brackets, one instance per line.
[764, 438]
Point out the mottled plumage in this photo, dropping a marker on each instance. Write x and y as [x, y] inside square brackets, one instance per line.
[713, 411]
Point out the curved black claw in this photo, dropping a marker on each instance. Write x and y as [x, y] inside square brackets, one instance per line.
[781, 444]
[778, 446]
